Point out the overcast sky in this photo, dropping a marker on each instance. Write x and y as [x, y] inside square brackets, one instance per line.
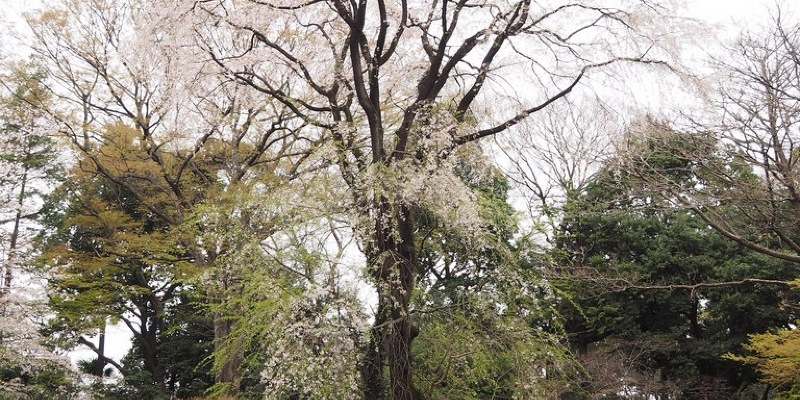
[728, 13]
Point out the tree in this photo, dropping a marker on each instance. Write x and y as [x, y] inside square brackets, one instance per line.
[479, 310]
[755, 127]
[295, 326]
[185, 351]
[29, 161]
[556, 155]
[29, 165]
[654, 289]
[166, 138]
[116, 260]
[113, 261]
[335, 64]
[775, 356]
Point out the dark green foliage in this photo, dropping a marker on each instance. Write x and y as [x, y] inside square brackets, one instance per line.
[645, 289]
[188, 345]
[185, 350]
[447, 260]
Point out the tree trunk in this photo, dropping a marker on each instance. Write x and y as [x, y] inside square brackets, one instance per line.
[374, 359]
[694, 317]
[394, 269]
[100, 366]
[8, 273]
[230, 359]
[150, 357]
[227, 359]
[767, 389]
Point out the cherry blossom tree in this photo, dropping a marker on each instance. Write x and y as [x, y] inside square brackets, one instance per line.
[394, 91]
[348, 120]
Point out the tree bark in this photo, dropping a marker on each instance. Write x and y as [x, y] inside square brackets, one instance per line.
[374, 359]
[228, 371]
[394, 266]
[99, 368]
[8, 273]
[227, 359]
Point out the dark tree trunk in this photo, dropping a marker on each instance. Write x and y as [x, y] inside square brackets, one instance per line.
[8, 273]
[99, 367]
[228, 359]
[394, 269]
[374, 359]
[149, 351]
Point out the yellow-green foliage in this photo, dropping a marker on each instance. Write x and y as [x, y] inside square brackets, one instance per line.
[775, 355]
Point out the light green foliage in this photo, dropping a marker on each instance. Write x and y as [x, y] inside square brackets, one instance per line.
[115, 260]
[113, 253]
[480, 310]
[298, 337]
[473, 350]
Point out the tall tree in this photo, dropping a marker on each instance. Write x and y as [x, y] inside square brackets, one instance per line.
[29, 167]
[480, 310]
[336, 65]
[114, 261]
[165, 130]
[774, 355]
[756, 123]
[663, 295]
[28, 161]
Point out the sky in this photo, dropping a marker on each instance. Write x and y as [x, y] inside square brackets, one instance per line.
[733, 12]
[727, 16]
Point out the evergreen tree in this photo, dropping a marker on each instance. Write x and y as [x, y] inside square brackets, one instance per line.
[654, 296]
[29, 167]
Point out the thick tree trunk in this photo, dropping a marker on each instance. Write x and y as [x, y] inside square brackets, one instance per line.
[398, 340]
[150, 356]
[230, 359]
[390, 346]
[374, 359]
[394, 266]
[227, 360]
